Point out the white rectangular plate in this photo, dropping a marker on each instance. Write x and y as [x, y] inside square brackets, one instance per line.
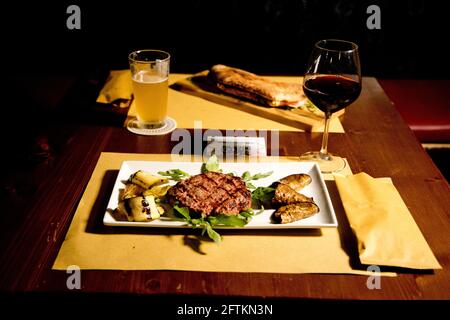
[317, 189]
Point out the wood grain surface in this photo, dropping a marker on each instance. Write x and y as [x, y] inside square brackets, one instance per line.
[376, 141]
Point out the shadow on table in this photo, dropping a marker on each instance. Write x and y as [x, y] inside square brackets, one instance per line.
[348, 239]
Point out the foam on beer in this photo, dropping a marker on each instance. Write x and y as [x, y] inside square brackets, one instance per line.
[148, 77]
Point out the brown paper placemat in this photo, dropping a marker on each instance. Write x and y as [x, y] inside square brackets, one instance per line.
[91, 245]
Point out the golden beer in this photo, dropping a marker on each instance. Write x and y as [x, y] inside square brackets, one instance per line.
[149, 74]
[150, 94]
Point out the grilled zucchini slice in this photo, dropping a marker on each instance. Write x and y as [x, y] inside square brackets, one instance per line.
[147, 180]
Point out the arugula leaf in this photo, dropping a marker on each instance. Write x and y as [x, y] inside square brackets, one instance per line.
[227, 220]
[174, 174]
[261, 210]
[261, 175]
[246, 176]
[213, 234]
[247, 214]
[198, 223]
[211, 165]
[207, 225]
[263, 194]
[183, 211]
[250, 185]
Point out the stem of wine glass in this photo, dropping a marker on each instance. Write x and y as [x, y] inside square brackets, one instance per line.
[324, 149]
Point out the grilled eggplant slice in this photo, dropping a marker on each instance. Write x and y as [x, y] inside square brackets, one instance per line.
[296, 211]
[294, 206]
[297, 181]
[286, 195]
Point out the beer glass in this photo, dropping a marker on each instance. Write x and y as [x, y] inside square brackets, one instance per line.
[150, 74]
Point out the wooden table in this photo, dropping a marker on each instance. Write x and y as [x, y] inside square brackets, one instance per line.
[376, 141]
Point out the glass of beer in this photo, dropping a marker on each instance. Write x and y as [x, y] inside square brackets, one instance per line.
[150, 74]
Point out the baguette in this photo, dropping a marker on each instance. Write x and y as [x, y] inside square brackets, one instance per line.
[250, 86]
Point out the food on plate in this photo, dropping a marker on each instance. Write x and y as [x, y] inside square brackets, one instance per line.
[211, 193]
[204, 201]
[212, 198]
[146, 179]
[138, 200]
[296, 211]
[139, 209]
[286, 195]
[250, 86]
[297, 181]
[131, 190]
[294, 206]
[157, 191]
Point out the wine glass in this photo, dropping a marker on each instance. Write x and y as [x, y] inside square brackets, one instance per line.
[332, 82]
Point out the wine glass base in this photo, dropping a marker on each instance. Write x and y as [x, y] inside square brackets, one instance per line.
[331, 165]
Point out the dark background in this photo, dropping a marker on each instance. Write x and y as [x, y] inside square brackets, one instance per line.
[53, 75]
[266, 36]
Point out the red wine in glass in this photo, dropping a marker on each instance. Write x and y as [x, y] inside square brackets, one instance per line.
[331, 93]
[332, 82]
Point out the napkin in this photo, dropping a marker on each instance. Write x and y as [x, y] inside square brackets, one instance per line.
[386, 232]
[117, 89]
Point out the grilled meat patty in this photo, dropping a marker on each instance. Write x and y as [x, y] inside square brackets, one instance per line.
[211, 193]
